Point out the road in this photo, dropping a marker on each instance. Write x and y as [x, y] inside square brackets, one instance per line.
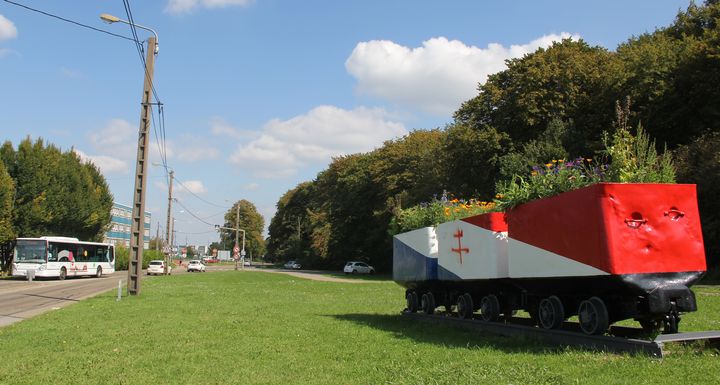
[21, 299]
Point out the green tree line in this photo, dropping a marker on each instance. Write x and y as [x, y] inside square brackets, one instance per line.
[47, 191]
[557, 102]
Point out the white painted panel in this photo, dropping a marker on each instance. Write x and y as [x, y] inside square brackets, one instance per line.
[472, 252]
[527, 261]
[423, 240]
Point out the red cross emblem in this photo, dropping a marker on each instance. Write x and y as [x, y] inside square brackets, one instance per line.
[459, 234]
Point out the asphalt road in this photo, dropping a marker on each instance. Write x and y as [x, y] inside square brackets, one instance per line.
[21, 299]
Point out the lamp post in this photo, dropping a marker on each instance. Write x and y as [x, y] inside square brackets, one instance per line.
[138, 207]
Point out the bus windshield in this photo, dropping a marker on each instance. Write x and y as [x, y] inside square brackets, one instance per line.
[30, 251]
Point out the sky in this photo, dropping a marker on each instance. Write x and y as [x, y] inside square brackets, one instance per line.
[259, 95]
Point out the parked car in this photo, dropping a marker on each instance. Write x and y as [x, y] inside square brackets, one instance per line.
[247, 263]
[293, 265]
[157, 267]
[195, 265]
[358, 268]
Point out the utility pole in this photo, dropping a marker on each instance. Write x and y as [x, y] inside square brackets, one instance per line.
[137, 231]
[157, 237]
[169, 218]
[237, 233]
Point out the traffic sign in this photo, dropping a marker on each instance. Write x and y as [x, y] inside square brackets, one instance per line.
[236, 250]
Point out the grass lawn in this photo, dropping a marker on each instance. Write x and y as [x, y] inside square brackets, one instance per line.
[262, 328]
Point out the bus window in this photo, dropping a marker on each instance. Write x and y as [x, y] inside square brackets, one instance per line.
[100, 254]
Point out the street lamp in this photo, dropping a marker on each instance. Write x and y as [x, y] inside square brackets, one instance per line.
[114, 19]
[138, 208]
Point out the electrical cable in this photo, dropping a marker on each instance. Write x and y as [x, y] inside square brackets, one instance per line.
[193, 214]
[200, 198]
[68, 20]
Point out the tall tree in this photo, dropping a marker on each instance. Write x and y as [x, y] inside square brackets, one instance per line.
[7, 192]
[249, 220]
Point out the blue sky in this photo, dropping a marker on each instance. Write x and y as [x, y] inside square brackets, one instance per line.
[259, 95]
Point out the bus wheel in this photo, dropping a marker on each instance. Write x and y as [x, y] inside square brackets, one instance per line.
[99, 272]
[63, 273]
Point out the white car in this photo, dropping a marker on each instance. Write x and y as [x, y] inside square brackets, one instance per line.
[358, 268]
[195, 265]
[293, 265]
[157, 267]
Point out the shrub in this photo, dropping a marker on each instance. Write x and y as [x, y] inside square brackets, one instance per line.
[435, 212]
[122, 257]
[633, 159]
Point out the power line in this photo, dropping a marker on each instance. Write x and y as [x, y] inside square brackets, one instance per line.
[68, 20]
[198, 197]
[193, 214]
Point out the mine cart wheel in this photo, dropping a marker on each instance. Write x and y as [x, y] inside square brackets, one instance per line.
[650, 325]
[551, 313]
[428, 303]
[593, 316]
[464, 306]
[412, 302]
[490, 308]
[671, 323]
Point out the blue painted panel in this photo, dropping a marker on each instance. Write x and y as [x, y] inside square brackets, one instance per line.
[412, 266]
[446, 275]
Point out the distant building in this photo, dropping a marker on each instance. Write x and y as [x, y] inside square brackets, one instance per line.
[121, 223]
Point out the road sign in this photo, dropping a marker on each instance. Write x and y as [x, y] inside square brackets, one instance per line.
[242, 253]
[236, 250]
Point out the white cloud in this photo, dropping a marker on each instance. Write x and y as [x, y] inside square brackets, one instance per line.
[7, 29]
[324, 132]
[187, 6]
[436, 77]
[106, 164]
[193, 186]
[116, 147]
[251, 186]
[220, 127]
[191, 148]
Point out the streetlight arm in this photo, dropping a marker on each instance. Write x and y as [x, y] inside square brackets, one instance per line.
[114, 19]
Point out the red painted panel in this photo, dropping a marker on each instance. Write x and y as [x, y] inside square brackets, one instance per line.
[618, 228]
[489, 221]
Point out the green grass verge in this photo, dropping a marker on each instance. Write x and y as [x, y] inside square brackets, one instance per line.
[261, 328]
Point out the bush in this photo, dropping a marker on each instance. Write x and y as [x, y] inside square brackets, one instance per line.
[436, 212]
[122, 257]
[633, 159]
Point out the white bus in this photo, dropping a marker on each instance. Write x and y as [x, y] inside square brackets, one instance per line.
[62, 257]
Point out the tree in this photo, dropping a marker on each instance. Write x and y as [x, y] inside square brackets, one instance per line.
[7, 234]
[699, 162]
[470, 160]
[569, 80]
[251, 221]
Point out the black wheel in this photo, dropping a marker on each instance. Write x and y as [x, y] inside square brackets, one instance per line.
[650, 325]
[98, 273]
[671, 323]
[465, 306]
[428, 303]
[372, 272]
[63, 273]
[354, 272]
[411, 302]
[593, 316]
[490, 308]
[551, 313]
